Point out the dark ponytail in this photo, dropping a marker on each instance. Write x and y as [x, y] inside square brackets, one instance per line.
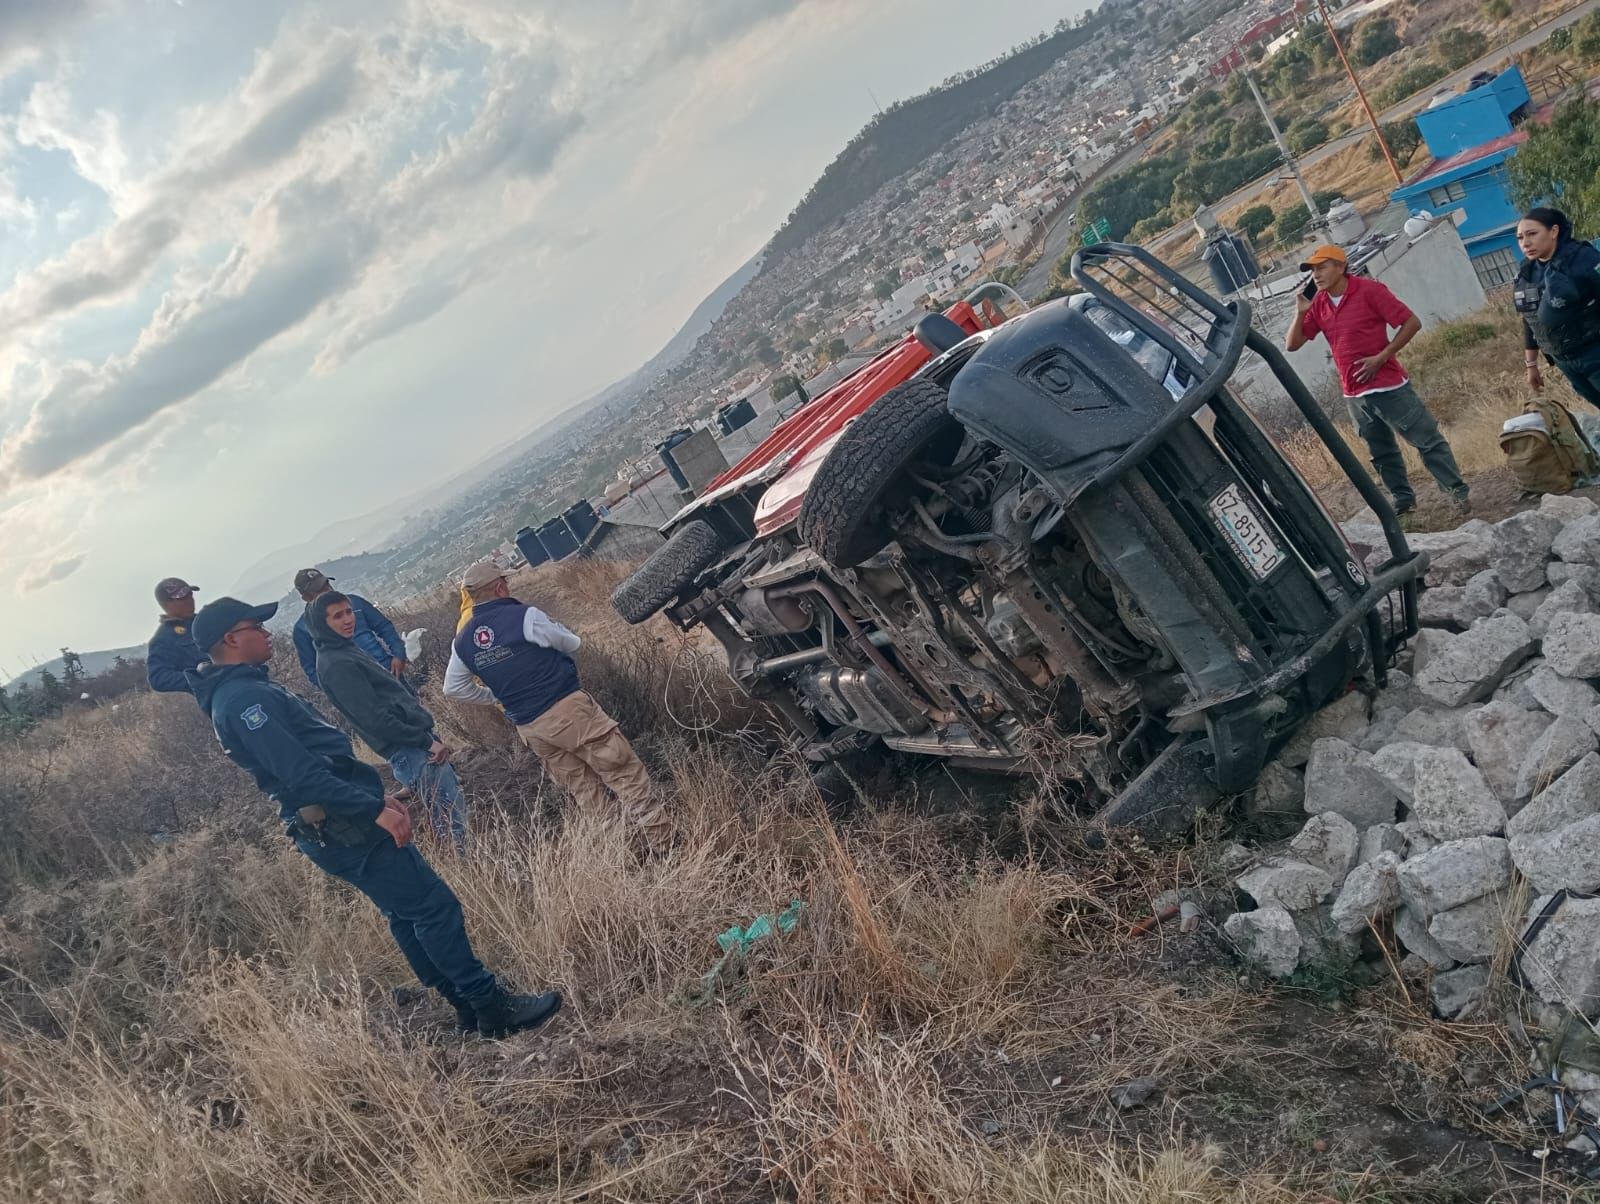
[1552, 218]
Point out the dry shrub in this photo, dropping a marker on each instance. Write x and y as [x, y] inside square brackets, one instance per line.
[82, 789]
[215, 1024]
[868, 1118]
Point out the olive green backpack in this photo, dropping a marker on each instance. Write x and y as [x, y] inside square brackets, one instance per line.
[1553, 460]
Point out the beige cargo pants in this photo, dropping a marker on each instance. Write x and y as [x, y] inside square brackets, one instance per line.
[586, 752]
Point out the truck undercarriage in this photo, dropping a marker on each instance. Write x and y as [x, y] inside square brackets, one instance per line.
[1061, 543]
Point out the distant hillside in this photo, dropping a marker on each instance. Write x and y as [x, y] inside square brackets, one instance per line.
[700, 321]
[93, 663]
[912, 131]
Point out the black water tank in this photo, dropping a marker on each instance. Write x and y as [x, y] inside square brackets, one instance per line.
[1233, 264]
[735, 415]
[665, 448]
[530, 547]
[557, 539]
[580, 519]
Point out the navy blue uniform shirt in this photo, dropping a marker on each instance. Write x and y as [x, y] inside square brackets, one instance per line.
[170, 654]
[295, 755]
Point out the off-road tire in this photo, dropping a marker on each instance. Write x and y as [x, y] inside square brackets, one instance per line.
[671, 568]
[842, 516]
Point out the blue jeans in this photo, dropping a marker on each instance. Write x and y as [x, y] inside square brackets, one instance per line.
[423, 912]
[440, 791]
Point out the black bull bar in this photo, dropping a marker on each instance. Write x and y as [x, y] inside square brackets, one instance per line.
[1207, 338]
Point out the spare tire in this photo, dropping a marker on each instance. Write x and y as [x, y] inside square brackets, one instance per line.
[671, 568]
[843, 516]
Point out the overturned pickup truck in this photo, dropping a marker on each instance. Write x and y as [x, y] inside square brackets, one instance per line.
[1049, 540]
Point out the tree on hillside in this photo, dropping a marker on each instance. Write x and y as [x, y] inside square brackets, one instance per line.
[1292, 222]
[1305, 133]
[52, 692]
[1249, 135]
[1316, 42]
[784, 385]
[884, 289]
[1375, 40]
[836, 349]
[1215, 144]
[1586, 41]
[1124, 201]
[767, 353]
[1404, 138]
[1458, 47]
[1254, 220]
[1560, 165]
[1291, 69]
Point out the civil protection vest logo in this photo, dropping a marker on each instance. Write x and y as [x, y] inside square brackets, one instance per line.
[483, 637]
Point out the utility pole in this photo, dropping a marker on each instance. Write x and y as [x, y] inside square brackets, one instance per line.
[1283, 148]
[1372, 118]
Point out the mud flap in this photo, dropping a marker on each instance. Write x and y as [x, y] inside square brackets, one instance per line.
[1164, 799]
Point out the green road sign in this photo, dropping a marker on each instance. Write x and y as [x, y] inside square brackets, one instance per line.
[1097, 231]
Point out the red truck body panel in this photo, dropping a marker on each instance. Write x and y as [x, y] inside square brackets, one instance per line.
[803, 438]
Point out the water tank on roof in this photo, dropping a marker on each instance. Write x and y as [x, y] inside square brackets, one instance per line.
[1233, 264]
[1345, 225]
[734, 415]
[580, 519]
[557, 539]
[530, 547]
[665, 448]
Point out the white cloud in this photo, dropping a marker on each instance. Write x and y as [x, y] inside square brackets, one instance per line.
[321, 176]
[36, 577]
[94, 141]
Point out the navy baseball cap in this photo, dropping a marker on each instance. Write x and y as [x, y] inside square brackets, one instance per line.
[218, 618]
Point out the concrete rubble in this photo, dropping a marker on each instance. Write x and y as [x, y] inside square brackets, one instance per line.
[1433, 810]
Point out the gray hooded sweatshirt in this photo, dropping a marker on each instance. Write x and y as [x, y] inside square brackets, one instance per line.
[384, 713]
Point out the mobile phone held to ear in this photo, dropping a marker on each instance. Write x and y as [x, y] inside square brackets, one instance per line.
[1309, 289]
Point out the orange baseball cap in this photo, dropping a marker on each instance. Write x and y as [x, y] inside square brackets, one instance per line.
[1326, 253]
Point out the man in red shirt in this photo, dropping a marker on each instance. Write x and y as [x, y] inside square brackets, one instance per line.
[1355, 315]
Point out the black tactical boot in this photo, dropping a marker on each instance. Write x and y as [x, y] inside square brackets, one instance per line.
[500, 1013]
[466, 1014]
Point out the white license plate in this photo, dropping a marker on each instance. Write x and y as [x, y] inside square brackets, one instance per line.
[1242, 526]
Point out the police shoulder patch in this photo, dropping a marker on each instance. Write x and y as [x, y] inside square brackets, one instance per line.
[254, 717]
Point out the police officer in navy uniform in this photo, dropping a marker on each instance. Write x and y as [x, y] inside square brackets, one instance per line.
[172, 651]
[335, 810]
[1557, 293]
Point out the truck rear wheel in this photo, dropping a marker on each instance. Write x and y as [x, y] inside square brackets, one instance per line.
[844, 516]
[670, 569]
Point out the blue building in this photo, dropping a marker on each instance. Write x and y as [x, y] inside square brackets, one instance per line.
[1472, 136]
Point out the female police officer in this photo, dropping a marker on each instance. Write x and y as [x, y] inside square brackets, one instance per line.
[1558, 295]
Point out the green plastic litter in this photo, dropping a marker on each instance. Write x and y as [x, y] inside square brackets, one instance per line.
[735, 943]
[763, 925]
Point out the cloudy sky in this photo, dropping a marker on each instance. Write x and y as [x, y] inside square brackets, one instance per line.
[268, 265]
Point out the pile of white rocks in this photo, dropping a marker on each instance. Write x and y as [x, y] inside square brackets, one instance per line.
[1474, 772]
